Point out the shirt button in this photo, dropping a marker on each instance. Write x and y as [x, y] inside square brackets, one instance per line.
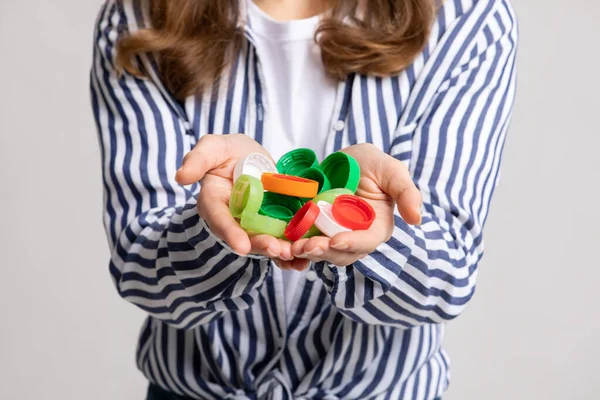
[311, 276]
[339, 125]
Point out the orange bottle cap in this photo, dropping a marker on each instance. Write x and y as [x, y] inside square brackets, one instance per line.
[290, 185]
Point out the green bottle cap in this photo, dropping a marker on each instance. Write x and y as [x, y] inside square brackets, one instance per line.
[342, 171]
[247, 195]
[253, 222]
[295, 161]
[279, 206]
[329, 196]
[316, 174]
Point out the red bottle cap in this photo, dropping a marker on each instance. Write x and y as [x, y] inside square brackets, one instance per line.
[302, 221]
[353, 212]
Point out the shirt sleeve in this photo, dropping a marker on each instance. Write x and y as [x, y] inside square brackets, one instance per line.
[164, 257]
[426, 274]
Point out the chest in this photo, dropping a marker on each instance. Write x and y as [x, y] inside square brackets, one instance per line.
[366, 109]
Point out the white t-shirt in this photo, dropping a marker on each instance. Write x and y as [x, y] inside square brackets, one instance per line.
[300, 97]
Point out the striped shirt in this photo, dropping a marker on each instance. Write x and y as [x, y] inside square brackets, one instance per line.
[217, 325]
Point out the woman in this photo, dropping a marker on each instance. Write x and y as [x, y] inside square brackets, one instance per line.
[419, 93]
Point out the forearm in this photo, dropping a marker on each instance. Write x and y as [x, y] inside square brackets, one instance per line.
[423, 274]
[168, 263]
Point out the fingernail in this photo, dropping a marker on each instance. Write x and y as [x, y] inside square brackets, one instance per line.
[303, 255]
[418, 209]
[316, 252]
[341, 246]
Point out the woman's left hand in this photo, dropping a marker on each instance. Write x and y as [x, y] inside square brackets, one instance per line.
[385, 183]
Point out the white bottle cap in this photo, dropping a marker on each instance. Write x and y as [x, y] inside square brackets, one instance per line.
[255, 165]
[326, 223]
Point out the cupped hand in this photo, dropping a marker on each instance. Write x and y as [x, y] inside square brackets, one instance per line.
[385, 184]
[211, 163]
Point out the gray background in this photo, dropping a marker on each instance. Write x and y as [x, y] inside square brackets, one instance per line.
[530, 333]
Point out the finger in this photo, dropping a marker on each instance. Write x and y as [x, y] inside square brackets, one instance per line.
[265, 245]
[269, 246]
[409, 205]
[315, 247]
[209, 153]
[335, 257]
[298, 247]
[303, 246]
[356, 241]
[222, 224]
[285, 250]
[397, 182]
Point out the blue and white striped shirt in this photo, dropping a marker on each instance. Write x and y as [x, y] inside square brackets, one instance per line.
[217, 325]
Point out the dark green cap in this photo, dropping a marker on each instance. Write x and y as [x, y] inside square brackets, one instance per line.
[295, 161]
[342, 171]
[316, 174]
[279, 206]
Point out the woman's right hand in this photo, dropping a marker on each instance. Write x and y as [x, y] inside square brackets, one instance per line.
[212, 162]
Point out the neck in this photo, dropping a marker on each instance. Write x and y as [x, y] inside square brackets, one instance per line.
[286, 10]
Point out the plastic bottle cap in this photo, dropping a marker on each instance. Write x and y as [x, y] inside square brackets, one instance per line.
[295, 161]
[325, 221]
[330, 195]
[255, 165]
[316, 174]
[302, 221]
[246, 195]
[255, 223]
[278, 206]
[353, 212]
[342, 171]
[313, 231]
[290, 185]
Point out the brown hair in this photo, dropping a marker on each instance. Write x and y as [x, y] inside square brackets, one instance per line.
[195, 40]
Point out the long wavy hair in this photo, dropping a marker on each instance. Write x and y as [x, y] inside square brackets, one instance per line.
[195, 40]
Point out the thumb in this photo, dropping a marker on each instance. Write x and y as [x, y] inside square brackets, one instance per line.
[209, 153]
[398, 184]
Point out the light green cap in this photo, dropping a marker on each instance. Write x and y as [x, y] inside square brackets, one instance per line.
[330, 195]
[255, 223]
[246, 195]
